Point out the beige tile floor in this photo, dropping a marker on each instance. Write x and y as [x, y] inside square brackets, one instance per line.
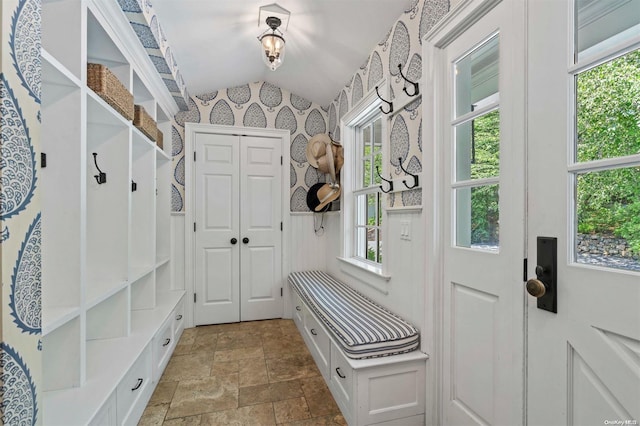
[249, 373]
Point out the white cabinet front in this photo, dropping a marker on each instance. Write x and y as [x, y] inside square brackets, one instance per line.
[134, 390]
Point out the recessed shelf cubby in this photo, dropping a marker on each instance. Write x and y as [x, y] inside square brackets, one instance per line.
[61, 186]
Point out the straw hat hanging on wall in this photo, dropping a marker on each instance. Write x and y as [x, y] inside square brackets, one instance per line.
[327, 156]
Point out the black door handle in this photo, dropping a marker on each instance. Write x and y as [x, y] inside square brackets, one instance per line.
[245, 240]
[234, 240]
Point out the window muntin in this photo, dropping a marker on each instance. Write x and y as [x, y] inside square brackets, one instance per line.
[476, 148]
[366, 193]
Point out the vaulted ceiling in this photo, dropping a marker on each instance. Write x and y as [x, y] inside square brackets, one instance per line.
[215, 42]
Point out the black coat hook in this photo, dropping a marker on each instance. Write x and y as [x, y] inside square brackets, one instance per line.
[101, 177]
[386, 180]
[134, 186]
[386, 102]
[415, 177]
[416, 88]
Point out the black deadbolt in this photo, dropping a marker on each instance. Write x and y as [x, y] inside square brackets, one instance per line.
[245, 240]
[234, 240]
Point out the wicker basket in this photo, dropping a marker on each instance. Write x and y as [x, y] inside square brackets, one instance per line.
[159, 139]
[108, 87]
[145, 123]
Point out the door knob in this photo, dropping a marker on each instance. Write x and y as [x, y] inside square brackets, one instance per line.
[544, 286]
[233, 240]
[536, 288]
[245, 240]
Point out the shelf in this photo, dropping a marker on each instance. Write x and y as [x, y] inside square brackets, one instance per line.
[161, 261]
[162, 156]
[145, 322]
[54, 317]
[98, 294]
[55, 73]
[100, 112]
[136, 273]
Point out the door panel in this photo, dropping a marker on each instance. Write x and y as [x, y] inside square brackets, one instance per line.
[583, 362]
[219, 267]
[261, 213]
[217, 187]
[483, 219]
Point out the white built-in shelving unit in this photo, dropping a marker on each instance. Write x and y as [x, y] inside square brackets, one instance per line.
[111, 313]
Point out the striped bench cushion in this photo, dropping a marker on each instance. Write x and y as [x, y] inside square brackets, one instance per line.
[363, 328]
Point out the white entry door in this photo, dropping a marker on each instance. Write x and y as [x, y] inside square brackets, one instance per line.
[584, 182]
[238, 233]
[480, 138]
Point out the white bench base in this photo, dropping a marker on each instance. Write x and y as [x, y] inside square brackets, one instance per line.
[388, 390]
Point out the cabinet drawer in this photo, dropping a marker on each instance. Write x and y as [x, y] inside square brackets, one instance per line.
[341, 382]
[162, 343]
[320, 343]
[134, 390]
[298, 310]
[178, 320]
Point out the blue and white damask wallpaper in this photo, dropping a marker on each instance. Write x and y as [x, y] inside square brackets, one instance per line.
[258, 104]
[264, 105]
[402, 45]
[21, 313]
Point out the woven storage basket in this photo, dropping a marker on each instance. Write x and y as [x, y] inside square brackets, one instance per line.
[108, 87]
[159, 139]
[145, 123]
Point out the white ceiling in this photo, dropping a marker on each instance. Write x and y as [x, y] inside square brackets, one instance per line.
[215, 42]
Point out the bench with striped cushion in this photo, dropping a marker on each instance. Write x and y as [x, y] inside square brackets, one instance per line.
[363, 328]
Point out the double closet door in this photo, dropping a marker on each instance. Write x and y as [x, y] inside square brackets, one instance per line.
[238, 228]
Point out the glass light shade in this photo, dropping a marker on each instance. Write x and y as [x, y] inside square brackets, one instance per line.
[273, 48]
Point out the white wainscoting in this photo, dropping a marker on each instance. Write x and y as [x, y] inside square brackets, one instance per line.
[177, 250]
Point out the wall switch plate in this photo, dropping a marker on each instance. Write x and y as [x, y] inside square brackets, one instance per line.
[405, 230]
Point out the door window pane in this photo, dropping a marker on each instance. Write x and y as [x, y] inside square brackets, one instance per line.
[608, 218]
[476, 77]
[478, 147]
[608, 109]
[477, 221]
[601, 24]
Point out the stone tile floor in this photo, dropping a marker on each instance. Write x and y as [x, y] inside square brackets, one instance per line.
[249, 373]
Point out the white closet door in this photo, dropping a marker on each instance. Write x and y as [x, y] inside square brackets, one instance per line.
[260, 224]
[217, 201]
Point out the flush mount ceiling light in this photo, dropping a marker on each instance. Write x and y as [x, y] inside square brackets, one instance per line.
[272, 40]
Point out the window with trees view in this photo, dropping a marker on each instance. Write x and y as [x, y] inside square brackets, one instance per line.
[367, 224]
[606, 161]
[477, 147]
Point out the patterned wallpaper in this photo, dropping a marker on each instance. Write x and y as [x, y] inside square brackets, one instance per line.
[20, 84]
[258, 104]
[144, 22]
[402, 45]
[264, 105]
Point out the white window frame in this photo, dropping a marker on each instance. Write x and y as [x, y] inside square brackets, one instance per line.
[359, 114]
